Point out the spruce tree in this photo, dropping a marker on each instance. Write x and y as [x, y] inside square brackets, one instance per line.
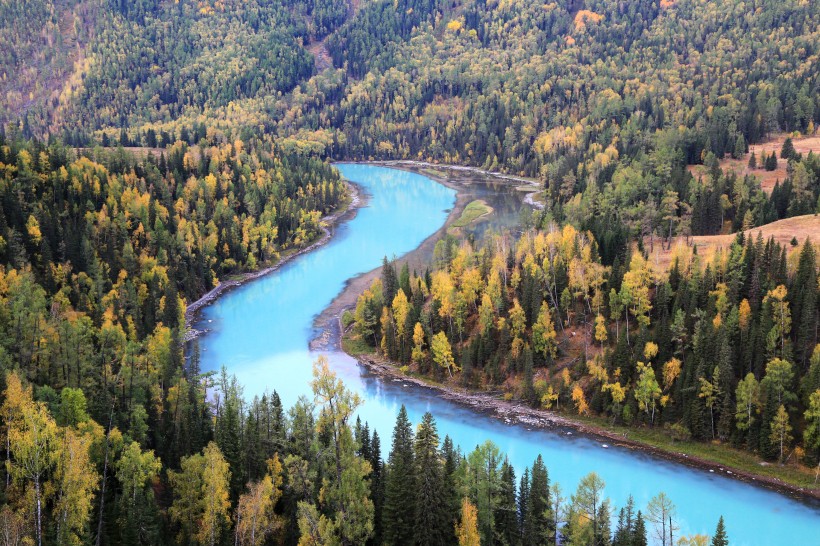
[400, 485]
[771, 162]
[376, 486]
[506, 511]
[390, 281]
[537, 524]
[804, 302]
[720, 538]
[625, 530]
[639, 532]
[452, 499]
[523, 499]
[229, 431]
[787, 151]
[404, 280]
[431, 520]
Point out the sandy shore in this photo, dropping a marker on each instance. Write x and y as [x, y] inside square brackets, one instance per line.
[417, 259]
[328, 225]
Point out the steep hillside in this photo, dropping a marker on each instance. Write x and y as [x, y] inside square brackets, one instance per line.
[42, 42]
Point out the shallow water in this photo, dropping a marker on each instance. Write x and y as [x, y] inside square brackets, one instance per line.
[261, 331]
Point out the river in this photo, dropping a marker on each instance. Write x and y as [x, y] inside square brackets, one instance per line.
[261, 331]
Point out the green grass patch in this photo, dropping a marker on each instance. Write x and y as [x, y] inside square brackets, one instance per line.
[472, 212]
[354, 346]
[434, 173]
[718, 454]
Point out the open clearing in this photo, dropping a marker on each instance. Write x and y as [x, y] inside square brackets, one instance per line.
[798, 227]
[768, 179]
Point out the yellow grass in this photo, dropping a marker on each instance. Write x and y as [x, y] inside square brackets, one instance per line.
[802, 145]
[799, 227]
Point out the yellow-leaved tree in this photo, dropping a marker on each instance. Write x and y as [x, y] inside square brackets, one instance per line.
[201, 500]
[255, 518]
[467, 528]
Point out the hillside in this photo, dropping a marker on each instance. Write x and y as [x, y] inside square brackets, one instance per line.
[768, 178]
[608, 106]
[785, 232]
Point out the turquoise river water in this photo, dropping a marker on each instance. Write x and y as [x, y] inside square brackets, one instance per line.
[261, 331]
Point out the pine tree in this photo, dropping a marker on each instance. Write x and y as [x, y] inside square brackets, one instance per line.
[400, 485]
[431, 521]
[720, 538]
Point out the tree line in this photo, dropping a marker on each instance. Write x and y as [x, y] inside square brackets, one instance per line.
[306, 476]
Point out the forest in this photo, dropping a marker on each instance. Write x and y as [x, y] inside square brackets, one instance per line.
[101, 252]
[150, 150]
[708, 350]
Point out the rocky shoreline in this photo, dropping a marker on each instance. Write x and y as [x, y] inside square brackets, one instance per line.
[512, 413]
[529, 198]
[328, 224]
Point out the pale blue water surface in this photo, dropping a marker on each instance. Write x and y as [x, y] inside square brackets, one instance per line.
[261, 330]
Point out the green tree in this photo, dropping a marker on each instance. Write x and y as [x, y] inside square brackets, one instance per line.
[781, 430]
[506, 510]
[787, 151]
[811, 433]
[346, 494]
[432, 523]
[201, 496]
[400, 485]
[136, 469]
[748, 401]
[661, 512]
[482, 483]
[589, 511]
[720, 538]
[538, 528]
[647, 390]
